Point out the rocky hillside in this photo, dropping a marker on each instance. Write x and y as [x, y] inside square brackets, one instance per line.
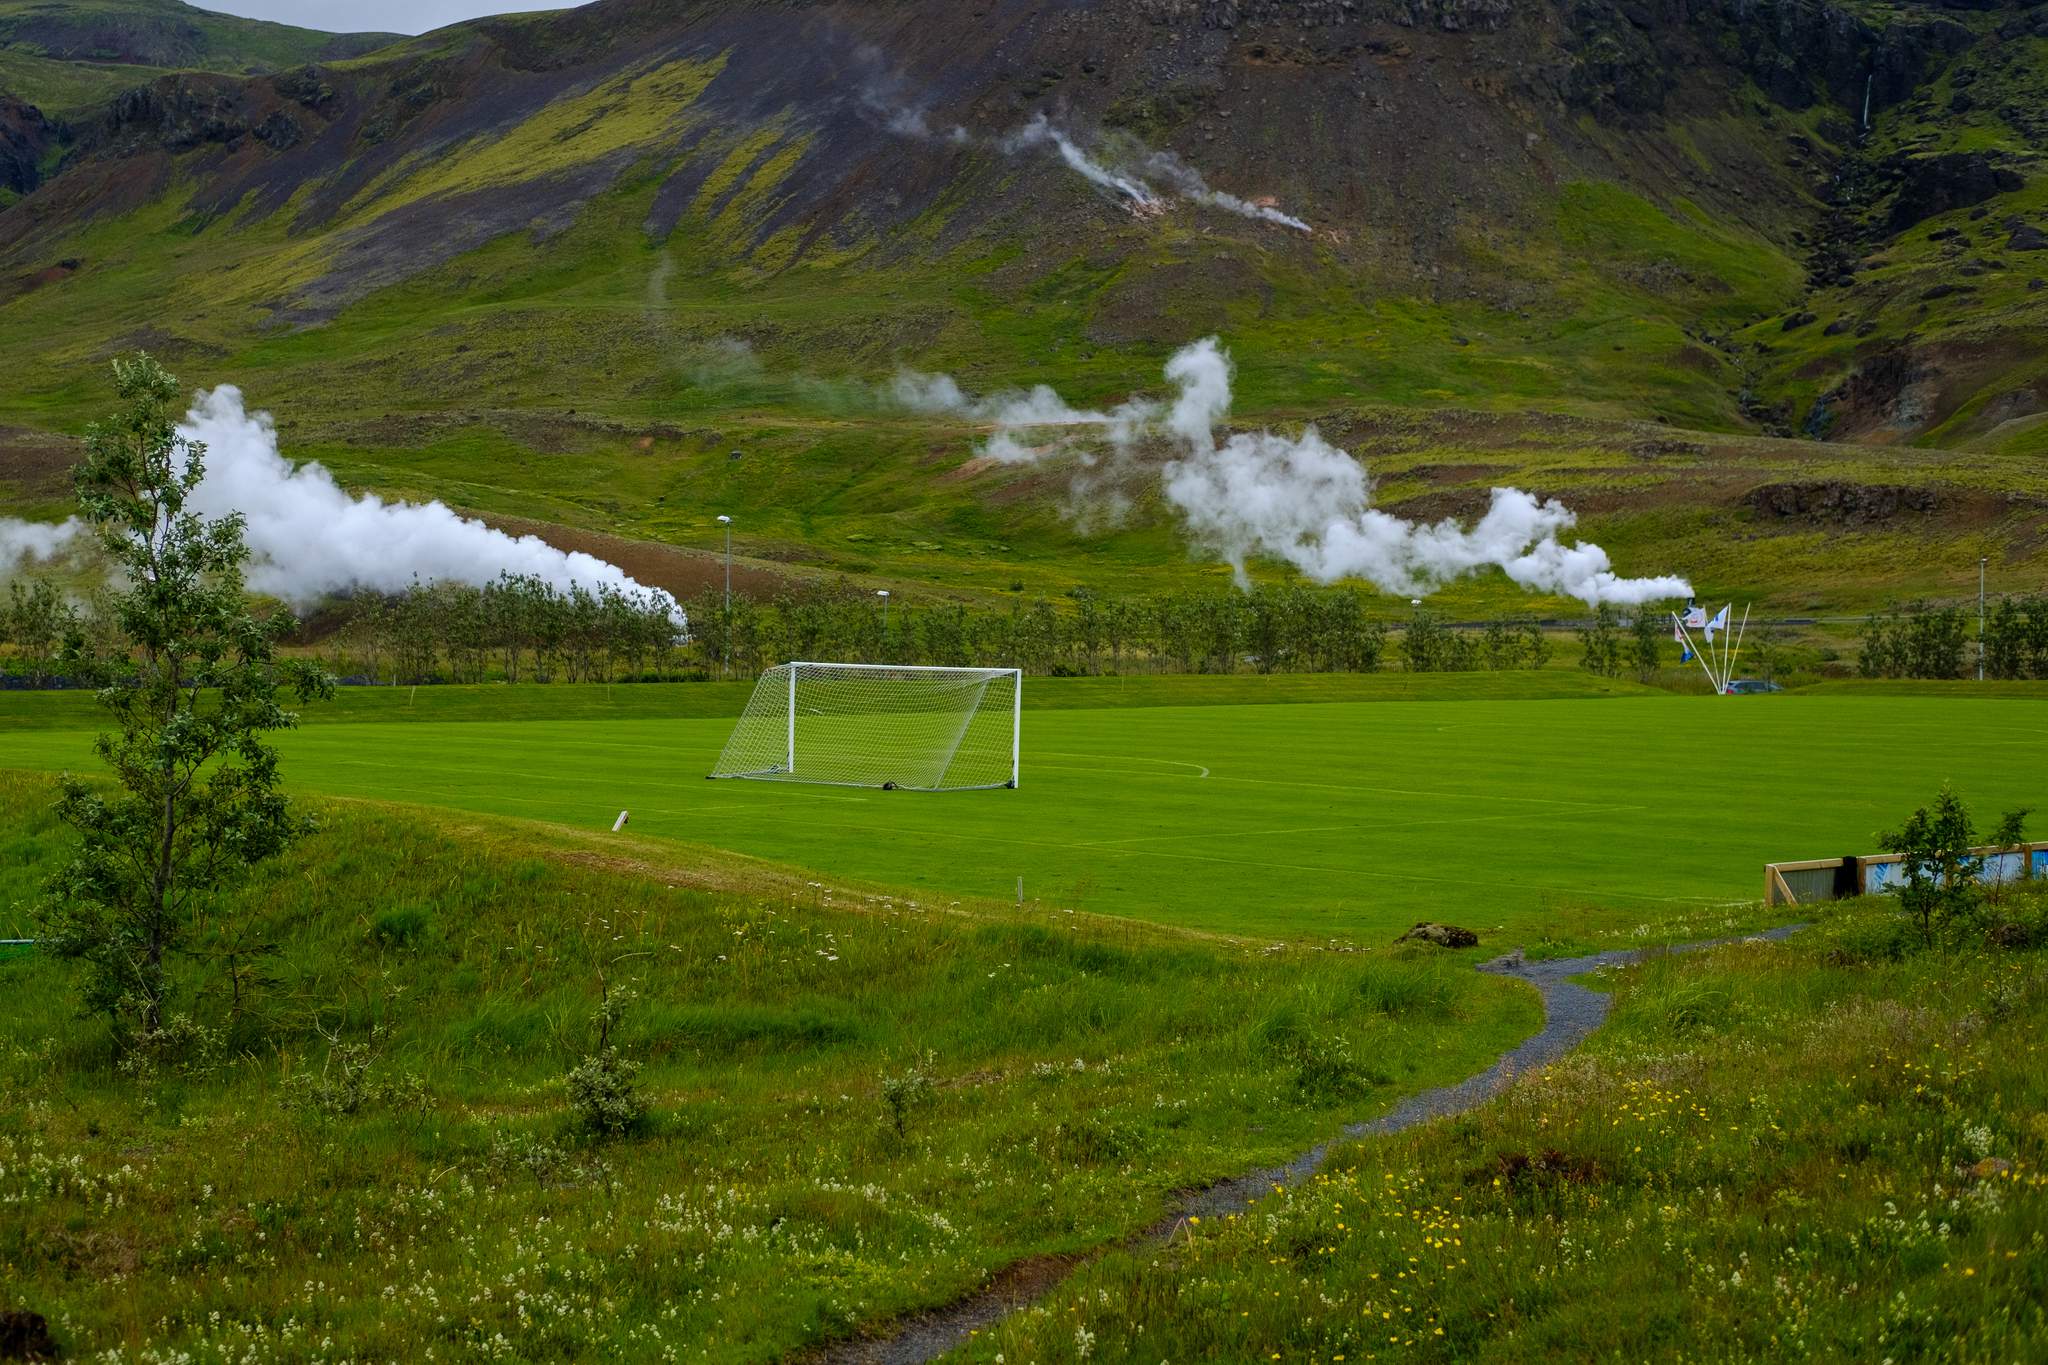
[1815, 218]
[67, 53]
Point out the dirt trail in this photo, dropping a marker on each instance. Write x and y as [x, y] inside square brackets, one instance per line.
[1570, 1013]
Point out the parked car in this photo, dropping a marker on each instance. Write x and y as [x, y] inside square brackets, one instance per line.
[1747, 687]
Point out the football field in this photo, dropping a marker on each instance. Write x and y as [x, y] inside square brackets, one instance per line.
[1331, 820]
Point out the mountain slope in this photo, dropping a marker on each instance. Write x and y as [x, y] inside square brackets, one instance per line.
[561, 266]
[69, 54]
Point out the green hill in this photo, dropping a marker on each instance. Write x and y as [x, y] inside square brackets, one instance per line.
[68, 55]
[559, 267]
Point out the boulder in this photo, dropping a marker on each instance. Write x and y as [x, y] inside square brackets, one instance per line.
[1950, 180]
[25, 1336]
[1443, 935]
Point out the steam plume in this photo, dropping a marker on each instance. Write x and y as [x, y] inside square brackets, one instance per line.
[1122, 178]
[1189, 182]
[1299, 499]
[1040, 133]
[33, 542]
[308, 537]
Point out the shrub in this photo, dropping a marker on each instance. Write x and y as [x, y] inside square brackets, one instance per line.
[908, 1091]
[604, 1089]
[346, 1083]
[180, 1043]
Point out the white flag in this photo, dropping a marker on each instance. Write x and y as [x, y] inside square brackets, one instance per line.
[1720, 622]
[1695, 617]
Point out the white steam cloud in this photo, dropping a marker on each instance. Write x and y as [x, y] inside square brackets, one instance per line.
[1121, 174]
[1125, 179]
[1188, 181]
[1040, 133]
[1297, 499]
[308, 537]
[23, 543]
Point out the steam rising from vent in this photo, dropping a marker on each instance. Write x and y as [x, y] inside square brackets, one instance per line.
[1295, 499]
[1189, 183]
[33, 542]
[1121, 173]
[1128, 184]
[308, 537]
[1040, 133]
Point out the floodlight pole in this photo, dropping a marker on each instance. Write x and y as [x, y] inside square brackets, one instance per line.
[725, 648]
[1982, 560]
[883, 593]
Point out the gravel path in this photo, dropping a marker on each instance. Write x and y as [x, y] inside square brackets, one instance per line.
[1570, 1013]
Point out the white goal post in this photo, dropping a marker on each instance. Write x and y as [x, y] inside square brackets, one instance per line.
[913, 726]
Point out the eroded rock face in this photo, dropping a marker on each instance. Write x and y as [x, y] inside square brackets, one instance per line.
[1953, 180]
[1835, 503]
[25, 137]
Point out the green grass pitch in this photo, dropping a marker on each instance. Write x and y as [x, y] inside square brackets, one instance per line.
[1342, 819]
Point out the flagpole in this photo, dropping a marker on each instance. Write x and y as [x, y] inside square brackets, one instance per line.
[1738, 639]
[1697, 656]
[1724, 646]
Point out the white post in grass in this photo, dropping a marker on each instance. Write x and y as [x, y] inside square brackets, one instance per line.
[791, 761]
[1016, 726]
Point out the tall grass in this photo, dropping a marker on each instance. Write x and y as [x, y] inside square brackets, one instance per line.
[1070, 1073]
[1829, 1148]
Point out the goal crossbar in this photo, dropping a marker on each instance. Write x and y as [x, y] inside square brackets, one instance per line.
[919, 727]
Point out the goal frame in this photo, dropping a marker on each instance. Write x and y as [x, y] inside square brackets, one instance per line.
[787, 772]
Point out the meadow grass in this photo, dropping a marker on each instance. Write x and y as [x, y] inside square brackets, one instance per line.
[1561, 823]
[1830, 1148]
[1054, 1079]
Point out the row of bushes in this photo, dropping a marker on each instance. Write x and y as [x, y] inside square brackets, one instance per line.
[522, 629]
[1922, 641]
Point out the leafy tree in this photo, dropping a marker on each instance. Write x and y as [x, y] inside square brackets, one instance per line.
[1088, 628]
[195, 803]
[1426, 643]
[1646, 640]
[1601, 639]
[1501, 645]
[1941, 889]
[37, 619]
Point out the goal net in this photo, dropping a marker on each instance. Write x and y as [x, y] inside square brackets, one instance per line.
[877, 725]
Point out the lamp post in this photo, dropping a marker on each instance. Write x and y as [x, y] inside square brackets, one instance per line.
[883, 593]
[1982, 560]
[725, 648]
[726, 522]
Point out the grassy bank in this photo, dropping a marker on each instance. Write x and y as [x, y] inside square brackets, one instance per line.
[1829, 1148]
[859, 1104]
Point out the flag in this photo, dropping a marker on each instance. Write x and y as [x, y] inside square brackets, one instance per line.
[1720, 622]
[1696, 617]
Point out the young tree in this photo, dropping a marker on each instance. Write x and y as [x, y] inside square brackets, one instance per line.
[1601, 641]
[1646, 638]
[195, 803]
[37, 619]
[1941, 887]
[1426, 644]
